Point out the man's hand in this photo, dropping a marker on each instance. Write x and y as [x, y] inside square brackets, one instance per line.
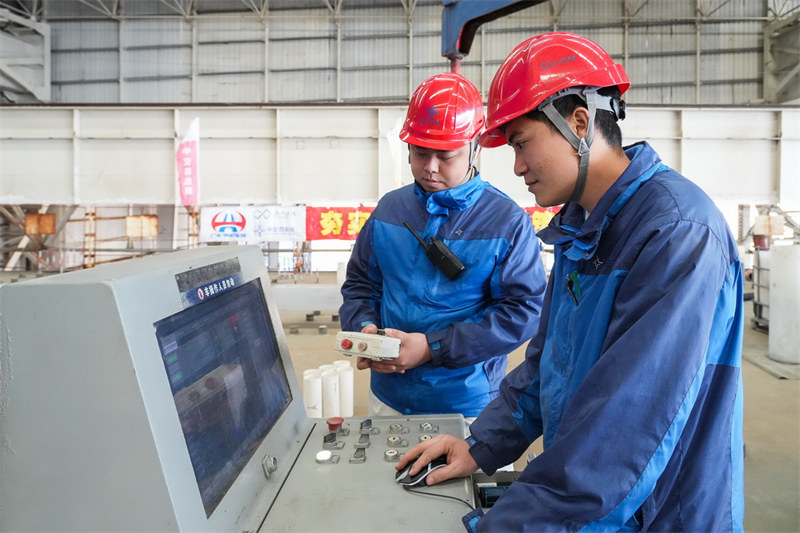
[414, 351]
[459, 461]
[364, 363]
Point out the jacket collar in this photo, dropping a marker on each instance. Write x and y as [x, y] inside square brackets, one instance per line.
[580, 237]
[456, 199]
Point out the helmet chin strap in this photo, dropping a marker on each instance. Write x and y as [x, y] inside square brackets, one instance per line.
[583, 145]
[474, 150]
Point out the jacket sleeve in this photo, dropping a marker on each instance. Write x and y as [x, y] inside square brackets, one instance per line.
[362, 288]
[513, 420]
[512, 315]
[623, 423]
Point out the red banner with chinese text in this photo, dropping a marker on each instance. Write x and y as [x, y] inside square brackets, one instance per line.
[335, 222]
[540, 216]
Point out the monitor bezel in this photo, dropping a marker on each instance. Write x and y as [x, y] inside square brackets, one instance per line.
[245, 503]
[184, 322]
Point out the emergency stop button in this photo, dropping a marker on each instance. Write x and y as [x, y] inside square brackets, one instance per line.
[334, 423]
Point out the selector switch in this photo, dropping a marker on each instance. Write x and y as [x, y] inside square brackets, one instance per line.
[359, 456]
[329, 442]
[367, 428]
[363, 441]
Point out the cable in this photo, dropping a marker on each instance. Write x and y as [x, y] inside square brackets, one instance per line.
[465, 502]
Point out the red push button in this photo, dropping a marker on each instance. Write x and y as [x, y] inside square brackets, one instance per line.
[335, 423]
[347, 344]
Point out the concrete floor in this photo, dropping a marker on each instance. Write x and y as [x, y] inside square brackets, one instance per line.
[771, 418]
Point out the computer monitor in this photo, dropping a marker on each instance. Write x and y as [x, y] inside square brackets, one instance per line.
[228, 381]
[150, 394]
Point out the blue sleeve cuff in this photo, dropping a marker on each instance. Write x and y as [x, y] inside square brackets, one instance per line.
[434, 339]
[471, 520]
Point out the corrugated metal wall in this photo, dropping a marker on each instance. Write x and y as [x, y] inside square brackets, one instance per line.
[678, 52]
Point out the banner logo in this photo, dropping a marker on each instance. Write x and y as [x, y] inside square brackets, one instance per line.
[228, 222]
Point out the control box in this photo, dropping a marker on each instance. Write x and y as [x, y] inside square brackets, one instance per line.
[373, 346]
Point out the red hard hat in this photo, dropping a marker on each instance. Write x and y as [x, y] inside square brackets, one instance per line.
[541, 66]
[445, 113]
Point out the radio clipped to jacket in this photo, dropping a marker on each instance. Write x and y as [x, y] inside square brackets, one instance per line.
[440, 255]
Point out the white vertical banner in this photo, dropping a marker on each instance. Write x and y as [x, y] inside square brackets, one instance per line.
[187, 158]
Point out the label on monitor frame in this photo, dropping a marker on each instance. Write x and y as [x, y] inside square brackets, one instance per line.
[205, 282]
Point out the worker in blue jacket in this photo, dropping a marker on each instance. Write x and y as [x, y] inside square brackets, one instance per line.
[634, 377]
[456, 325]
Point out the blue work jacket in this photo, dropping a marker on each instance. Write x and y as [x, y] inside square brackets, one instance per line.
[472, 322]
[634, 378]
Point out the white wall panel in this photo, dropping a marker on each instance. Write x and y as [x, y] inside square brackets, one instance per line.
[36, 172]
[315, 85]
[744, 170]
[234, 171]
[130, 123]
[125, 171]
[86, 66]
[428, 49]
[288, 55]
[428, 18]
[218, 89]
[157, 32]
[393, 83]
[301, 23]
[144, 91]
[365, 20]
[85, 34]
[344, 155]
[85, 93]
[727, 124]
[232, 58]
[153, 62]
[393, 168]
[334, 122]
[30, 123]
[230, 123]
[329, 171]
[497, 167]
[372, 53]
[790, 160]
[643, 122]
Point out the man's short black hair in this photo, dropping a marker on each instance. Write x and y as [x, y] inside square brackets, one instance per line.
[605, 122]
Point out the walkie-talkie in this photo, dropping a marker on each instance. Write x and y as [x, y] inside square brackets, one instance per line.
[440, 255]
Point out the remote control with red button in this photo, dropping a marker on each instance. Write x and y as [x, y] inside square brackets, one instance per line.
[376, 347]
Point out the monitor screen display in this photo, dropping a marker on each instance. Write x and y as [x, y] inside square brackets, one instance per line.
[228, 381]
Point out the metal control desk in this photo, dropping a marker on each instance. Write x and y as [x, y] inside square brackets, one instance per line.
[355, 490]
